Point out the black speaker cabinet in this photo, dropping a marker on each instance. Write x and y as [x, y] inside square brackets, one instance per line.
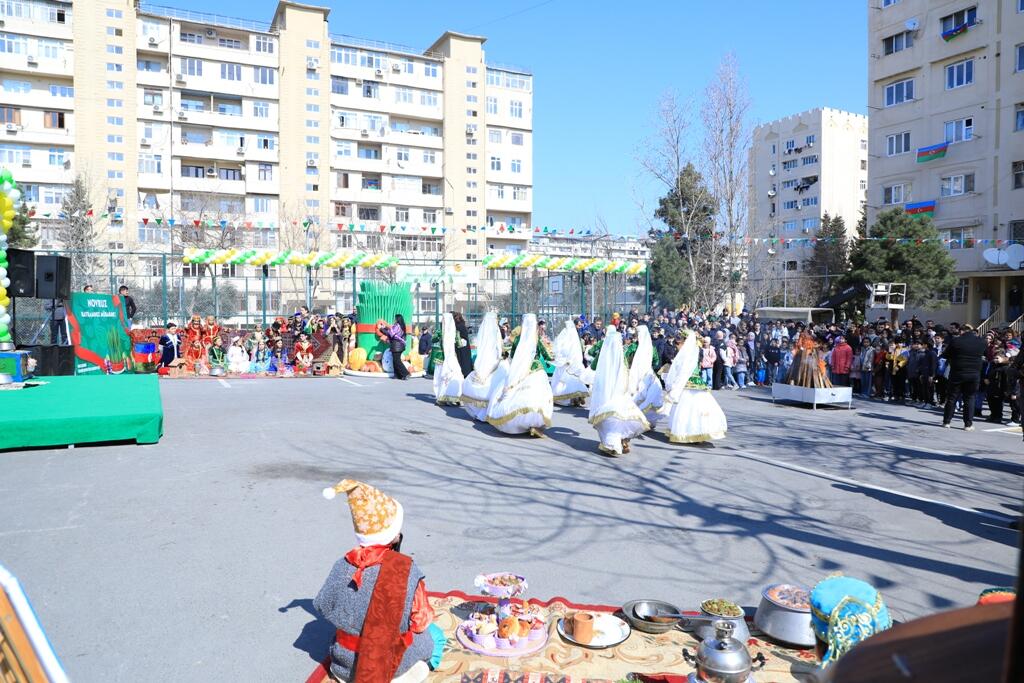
[53, 277]
[52, 359]
[21, 270]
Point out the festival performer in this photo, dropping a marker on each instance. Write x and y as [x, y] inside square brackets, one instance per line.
[170, 346]
[448, 377]
[542, 352]
[194, 330]
[278, 364]
[216, 357]
[478, 387]
[694, 415]
[210, 331]
[613, 413]
[462, 349]
[845, 611]
[302, 355]
[523, 401]
[195, 358]
[376, 598]
[644, 385]
[567, 383]
[260, 360]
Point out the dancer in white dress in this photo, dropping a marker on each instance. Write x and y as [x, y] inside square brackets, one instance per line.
[448, 378]
[613, 413]
[567, 383]
[479, 386]
[695, 415]
[644, 385]
[523, 401]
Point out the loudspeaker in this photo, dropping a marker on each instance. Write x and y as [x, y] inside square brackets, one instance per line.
[52, 359]
[53, 277]
[21, 270]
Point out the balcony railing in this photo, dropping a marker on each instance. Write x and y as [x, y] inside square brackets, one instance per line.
[382, 46]
[205, 18]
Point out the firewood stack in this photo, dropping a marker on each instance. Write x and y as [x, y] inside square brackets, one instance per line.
[808, 369]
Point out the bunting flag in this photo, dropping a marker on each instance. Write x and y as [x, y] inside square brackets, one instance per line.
[920, 208]
[313, 259]
[954, 32]
[933, 152]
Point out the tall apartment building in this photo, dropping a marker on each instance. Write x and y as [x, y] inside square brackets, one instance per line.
[802, 167]
[281, 133]
[952, 72]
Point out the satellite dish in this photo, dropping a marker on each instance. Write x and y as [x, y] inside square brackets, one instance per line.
[771, 252]
[912, 24]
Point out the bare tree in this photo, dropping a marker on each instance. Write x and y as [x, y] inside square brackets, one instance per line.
[76, 231]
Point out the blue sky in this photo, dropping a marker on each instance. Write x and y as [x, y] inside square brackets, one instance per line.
[600, 67]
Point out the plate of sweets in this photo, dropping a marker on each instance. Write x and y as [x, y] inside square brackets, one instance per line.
[520, 633]
[501, 584]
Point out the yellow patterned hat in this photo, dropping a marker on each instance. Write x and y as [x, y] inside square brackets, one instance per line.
[376, 516]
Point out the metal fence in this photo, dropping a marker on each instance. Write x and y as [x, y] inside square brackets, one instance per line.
[167, 290]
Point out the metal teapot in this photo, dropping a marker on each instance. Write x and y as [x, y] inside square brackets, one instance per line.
[722, 659]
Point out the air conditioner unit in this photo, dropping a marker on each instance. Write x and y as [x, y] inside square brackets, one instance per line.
[359, 81]
[312, 63]
[210, 33]
[470, 131]
[397, 68]
[26, 163]
[413, 131]
[798, 207]
[810, 144]
[182, 116]
[152, 41]
[310, 163]
[365, 133]
[179, 78]
[157, 109]
[379, 72]
[31, 59]
[11, 127]
[240, 150]
[144, 142]
[448, 211]
[211, 172]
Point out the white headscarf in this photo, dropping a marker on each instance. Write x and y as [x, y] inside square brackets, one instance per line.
[643, 359]
[612, 376]
[567, 347]
[682, 367]
[526, 351]
[488, 347]
[450, 368]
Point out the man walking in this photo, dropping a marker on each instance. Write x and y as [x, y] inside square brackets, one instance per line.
[964, 354]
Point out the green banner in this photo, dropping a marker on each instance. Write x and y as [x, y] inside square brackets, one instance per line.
[99, 331]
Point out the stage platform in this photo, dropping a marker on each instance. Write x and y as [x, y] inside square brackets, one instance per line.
[61, 411]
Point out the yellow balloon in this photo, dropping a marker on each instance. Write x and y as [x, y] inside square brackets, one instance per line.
[9, 213]
[7, 223]
[357, 359]
[3, 293]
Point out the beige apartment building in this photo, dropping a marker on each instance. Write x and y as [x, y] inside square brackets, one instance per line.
[281, 133]
[802, 167]
[965, 89]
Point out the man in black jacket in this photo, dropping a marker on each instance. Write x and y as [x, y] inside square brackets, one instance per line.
[965, 354]
[130, 309]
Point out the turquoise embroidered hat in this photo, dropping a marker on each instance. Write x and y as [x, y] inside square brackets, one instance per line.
[845, 611]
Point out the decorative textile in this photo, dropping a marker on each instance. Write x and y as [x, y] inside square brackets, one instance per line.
[522, 402]
[567, 383]
[381, 644]
[695, 415]
[376, 516]
[479, 385]
[845, 611]
[613, 412]
[448, 378]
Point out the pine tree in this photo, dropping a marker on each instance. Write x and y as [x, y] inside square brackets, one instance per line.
[919, 260]
[76, 232]
[668, 273]
[829, 260]
[22, 235]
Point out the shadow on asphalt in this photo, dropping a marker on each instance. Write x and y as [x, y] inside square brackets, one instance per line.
[316, 636]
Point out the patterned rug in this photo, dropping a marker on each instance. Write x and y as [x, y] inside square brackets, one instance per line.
[641, 657]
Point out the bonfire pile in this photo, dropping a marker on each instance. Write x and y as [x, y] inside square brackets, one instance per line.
[808, 369]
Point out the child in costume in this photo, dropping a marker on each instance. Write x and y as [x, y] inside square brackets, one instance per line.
[303, 355]
[613, 413]
[216, 356]
[195, 358]
[211, 331]
[448, 378]
[479, 385]
[278, 364]
[238, 359]
[845, 611]
[694, 414]
[260, 360]
[399, 641]
[568, 384]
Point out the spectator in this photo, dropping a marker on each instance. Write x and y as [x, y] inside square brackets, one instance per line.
[87, 289]
[718, 370]
[866, 360]
[841, 360]
[170, 346]
[773, 358]
[965, 354]
[708, 356]
[426, 340]
[129, 304]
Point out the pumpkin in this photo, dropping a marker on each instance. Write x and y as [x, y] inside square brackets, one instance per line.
[357, 359]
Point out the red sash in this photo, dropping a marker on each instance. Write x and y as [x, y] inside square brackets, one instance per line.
[382, 644]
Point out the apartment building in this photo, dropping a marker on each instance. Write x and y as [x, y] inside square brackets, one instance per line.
[802, 167]
[946, 93]
[195, 129]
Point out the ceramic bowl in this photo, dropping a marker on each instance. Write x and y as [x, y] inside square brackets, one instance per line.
[503, 643]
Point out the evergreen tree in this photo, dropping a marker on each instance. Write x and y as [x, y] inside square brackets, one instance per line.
[688, 209]
[829, 260]
[668, 273]
[22, 235]
[76, 232]
[920, 261]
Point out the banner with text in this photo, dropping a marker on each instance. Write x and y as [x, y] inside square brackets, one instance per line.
[99, 331]
[442, 273]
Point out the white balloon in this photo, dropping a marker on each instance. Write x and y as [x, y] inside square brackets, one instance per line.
[3, 309]
[6, 282]
[3, 272]
[3, 238]
[14, 195]
[5, 318]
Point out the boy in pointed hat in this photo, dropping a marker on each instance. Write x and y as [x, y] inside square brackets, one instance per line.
[376, 599]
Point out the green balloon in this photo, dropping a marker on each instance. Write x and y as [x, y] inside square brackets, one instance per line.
[4, 329]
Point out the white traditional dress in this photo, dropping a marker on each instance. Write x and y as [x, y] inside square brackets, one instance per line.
[694, 414]
[567, 383]
[478, 387]
[644, 385]
[612, 411]
[522, 401]
[448, 378]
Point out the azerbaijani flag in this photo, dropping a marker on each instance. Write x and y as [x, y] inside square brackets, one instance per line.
[933, 152]
[954, 32]
[920, 208]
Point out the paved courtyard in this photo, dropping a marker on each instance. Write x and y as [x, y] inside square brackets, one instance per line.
[196, 559]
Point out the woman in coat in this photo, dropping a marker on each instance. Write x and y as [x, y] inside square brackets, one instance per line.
[462, 350]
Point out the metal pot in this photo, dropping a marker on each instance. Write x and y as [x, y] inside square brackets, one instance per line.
[704, 626]
[722, 658]
[786, 620]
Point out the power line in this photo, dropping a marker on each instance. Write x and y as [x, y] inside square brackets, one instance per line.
[512, 14]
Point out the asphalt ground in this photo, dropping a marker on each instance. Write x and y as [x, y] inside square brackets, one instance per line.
[196, 559]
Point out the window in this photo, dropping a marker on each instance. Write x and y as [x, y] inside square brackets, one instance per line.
[1019, 64]
[429, 156]
[116, 68]
[231, 72]
[263, 75]
[339, 85]
[369, 213]
[516, 109]
[371, 182]
[190, 66]
[111, 85]
[789, 165]
[149, 65]
[810, 201]
[11, 85]
[343, 148]
[115, 139]
[431, 188]
[960, 74]
[265, 172]
[193, 38]
[10, 115]
[429, 215]
[863, 184]
[403, 95]
[965, 17]
[344, 55]
[516, 138]
[371, 89]
[898, 143]
[1018, 121]
[958, 295]
[789, 184]
[312, 123]
[956, 185]
[57, 156]
[899, 92]
[151, 97]
[115, 120]
[261, 110]
[960, 130]
[517, 165]
[810, 159]
[811, 224]
[1018, 174]
[265, 141]
[150, 163]
[53, 119]
[471, 156]
[312, 139]
[519, 192]
[312, 76]
[428, 98]
[367, 152]
[232, 43]
[897, 43]
[959, 238]
[789, 226]
[265, 44]
[889, 3]
[790, 145]
[13, 44]
[402, 154]
[430, 70]
[790, 204]
[229, 173]
[402, 214]
[115, 49]
[407, 66]
[494, 136]
[342, 209]
[261, 204]
[115, 103]
[895, 194]
[470, 84]
[495, 163]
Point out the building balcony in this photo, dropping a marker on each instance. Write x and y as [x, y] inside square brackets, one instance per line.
[218, 120]
[37, 24]
[495, 204]
[209, 185]
[39, 98]
[212, 83]
[211, 150]
[42, 172]
[155, 79]
[64, 137]
[419, 140]
[253, 185]
[247, 57]
[155, 181]
[38, 64]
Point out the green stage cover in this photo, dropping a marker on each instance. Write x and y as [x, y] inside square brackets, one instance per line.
[78, 410]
